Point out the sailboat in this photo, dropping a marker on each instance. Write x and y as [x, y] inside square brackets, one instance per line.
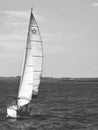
[31, 72]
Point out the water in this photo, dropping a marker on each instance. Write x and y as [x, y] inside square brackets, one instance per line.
[59, 106]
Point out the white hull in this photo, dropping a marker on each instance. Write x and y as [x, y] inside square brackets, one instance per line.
[12, 111]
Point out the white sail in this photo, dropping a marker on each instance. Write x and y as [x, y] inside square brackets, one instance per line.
[32, 68]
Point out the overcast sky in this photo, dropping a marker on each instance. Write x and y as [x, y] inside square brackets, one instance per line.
[69, 30]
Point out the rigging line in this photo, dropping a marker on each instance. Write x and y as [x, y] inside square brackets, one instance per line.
[20, 64]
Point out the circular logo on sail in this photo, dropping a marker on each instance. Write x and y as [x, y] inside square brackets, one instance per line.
[34, 31]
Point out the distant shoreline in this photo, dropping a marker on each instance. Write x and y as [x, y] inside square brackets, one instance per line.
[43, 79]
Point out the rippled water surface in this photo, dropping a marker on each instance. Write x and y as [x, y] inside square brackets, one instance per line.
[59, 106]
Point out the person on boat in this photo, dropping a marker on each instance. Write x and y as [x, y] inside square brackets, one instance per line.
[21, 109]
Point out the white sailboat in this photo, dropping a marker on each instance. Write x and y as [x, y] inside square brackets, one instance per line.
[31, 72]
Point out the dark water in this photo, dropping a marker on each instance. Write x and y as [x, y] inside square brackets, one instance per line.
[59, 106]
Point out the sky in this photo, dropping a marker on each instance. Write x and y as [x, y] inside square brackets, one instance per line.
[69, 31]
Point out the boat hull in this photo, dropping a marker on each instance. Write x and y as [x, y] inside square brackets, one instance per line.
[11, 112]
[14, 112]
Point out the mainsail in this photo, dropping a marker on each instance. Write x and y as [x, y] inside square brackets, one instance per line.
[32, 67]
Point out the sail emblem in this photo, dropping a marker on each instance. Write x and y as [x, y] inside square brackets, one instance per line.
[34, 31]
